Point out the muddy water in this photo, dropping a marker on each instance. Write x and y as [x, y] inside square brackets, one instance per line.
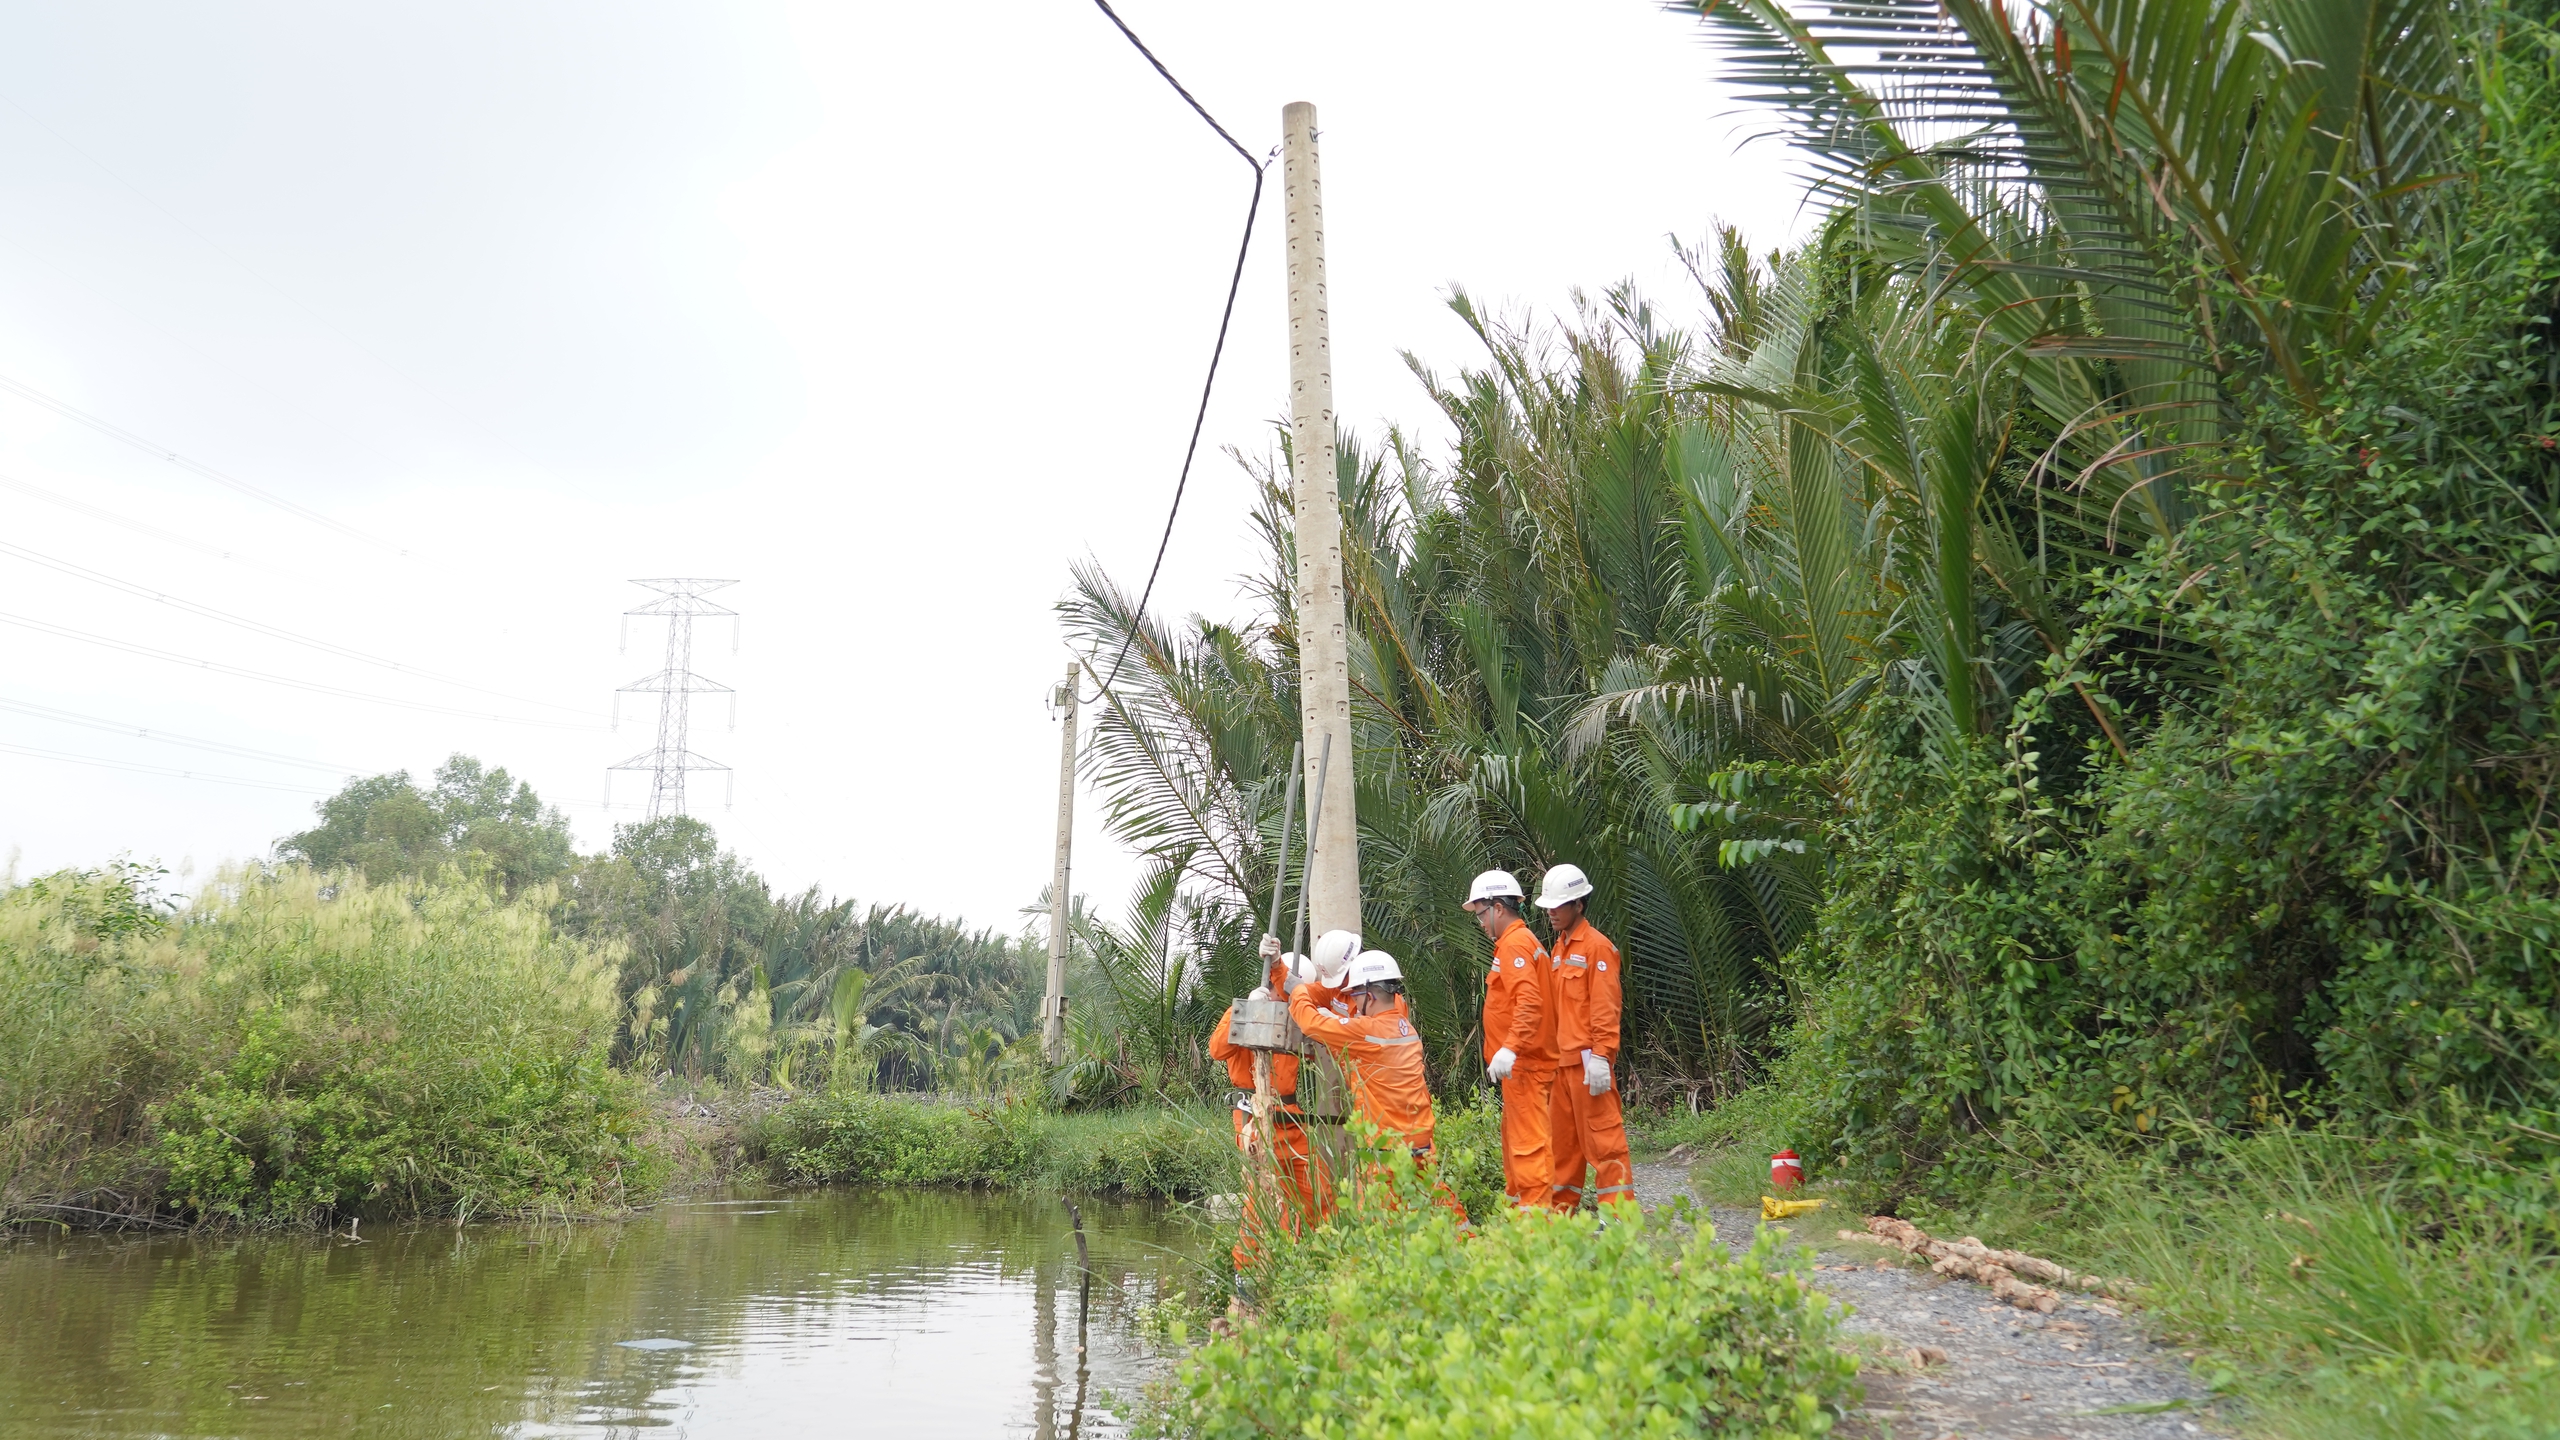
[830, 1313]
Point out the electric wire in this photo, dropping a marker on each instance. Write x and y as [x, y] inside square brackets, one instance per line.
[1235, 282]
[164, 771]
[114, 431]
[138, 527]
[118, 727]
[261, 627]
[222, 668]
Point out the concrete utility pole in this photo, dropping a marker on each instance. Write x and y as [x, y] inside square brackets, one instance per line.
[1053, 1005]
[1324, 668]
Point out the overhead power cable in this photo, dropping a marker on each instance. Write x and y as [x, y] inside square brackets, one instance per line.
[1235, 282]
[138, 527]
[65, 757]
[263, 628]
[221, 668]
[114, 431]
[144, 732]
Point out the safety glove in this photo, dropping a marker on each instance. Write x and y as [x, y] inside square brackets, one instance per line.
[1499, 1069]
[1595, 1073]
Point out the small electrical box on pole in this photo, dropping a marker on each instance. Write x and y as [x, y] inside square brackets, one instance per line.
[1053, 1003]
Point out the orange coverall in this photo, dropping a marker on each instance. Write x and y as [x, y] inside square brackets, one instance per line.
[1288, 1138]
[1585, 984]
[1517, 1018]
[1381, 1059]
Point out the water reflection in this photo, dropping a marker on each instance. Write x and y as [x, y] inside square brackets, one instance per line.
[853, 1312]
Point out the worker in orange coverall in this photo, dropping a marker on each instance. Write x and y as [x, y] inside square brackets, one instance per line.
[1585, 983]
[1288, 1134]
[1519, 1037]
[1377, 1047]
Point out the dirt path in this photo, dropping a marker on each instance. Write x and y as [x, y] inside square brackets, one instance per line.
[1943, 1360]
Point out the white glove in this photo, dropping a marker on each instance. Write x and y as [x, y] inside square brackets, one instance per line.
[1500, 1068]
[1595, 1073]
[1262, 992]
[1270, 949]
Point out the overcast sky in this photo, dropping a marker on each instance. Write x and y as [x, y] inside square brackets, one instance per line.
[890, 312]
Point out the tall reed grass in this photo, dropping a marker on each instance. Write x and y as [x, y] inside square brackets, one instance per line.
[295, 1047]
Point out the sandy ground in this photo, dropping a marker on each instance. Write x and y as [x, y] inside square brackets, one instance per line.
[1944, 1360]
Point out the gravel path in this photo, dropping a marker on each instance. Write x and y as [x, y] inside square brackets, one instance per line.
[1943, 1360]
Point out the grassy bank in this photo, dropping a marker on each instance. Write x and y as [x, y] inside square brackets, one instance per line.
[2400, 1287]
[863, 1139]
[1391, 1319]
[294, 1048]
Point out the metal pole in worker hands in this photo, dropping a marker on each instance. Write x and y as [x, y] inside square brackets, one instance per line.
[1053, 1003]
[1324, 668]
[1279, 886]
[1326, 1095]
[1288, 817]
[1298, 932]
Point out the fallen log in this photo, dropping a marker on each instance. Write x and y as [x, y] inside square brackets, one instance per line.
[1970, 1259]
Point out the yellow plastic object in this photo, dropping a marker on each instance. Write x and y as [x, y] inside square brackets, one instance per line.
[1773, 1208]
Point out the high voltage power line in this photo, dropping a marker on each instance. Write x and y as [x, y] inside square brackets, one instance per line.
[224, 668]
[114, 431]
[145, 732]
[261, 627]
[166, 771]
[170, 537]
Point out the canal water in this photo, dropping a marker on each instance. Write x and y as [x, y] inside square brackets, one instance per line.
[840, 1312]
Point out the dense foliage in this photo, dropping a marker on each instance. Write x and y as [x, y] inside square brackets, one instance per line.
[481, 821]
[2305, 865]
[1393, 1320]
[288, 1050]
[719, 977]
[2066, 647]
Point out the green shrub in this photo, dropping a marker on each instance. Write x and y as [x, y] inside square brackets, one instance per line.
[1469, 1141]
[1401, 1322]
[1170, 1154]
[871, 1139]
[296, 1046]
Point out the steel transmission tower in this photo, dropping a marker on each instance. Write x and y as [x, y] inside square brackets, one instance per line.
[675, 685]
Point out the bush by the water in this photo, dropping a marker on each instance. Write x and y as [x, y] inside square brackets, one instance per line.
[870, 1139]
[295, 1046]
[1392, 1320]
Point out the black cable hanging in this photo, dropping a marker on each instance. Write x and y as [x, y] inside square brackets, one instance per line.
[1235, 282]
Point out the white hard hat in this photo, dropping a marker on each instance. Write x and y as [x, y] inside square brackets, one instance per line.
[1372, 967]
[1495, 885]
[1334, 949]
[1564, 885]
